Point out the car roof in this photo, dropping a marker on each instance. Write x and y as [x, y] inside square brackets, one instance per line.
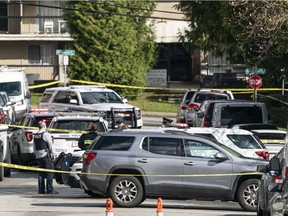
[77, 116]
[269, 131]
[83, 88]
[255, 126]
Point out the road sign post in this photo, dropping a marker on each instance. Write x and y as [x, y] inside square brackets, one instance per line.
[255, 82]
[66, 54]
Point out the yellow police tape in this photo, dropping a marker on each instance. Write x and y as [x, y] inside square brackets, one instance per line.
[48, 129]
[43, 85]
[153, 88]
[15, 166]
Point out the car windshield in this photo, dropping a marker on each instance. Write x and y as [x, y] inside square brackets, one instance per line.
[201, 97]
[11, 88]
[100, 97]
[245, 141]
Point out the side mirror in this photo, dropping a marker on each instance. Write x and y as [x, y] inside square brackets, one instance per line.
[28, 94]
[124, 100]
[200, 115]
[221, 156]
[274, 167]
[73, 101]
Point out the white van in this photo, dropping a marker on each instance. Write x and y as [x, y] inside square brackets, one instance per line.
[15, 83]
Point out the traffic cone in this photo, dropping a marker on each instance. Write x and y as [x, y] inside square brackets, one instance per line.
[159, 207]
[109, 207]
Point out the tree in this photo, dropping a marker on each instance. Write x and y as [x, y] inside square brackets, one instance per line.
[255, 30]
[113, 42]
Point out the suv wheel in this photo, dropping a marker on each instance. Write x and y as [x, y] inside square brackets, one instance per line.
[247, 194]
[126, 191]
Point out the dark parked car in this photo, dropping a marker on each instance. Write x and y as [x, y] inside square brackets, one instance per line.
[270, 182]
[131, 165]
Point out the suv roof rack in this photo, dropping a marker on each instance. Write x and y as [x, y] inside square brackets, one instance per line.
[86, 86]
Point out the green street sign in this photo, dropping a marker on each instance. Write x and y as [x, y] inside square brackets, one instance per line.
[249, 71]
[261, 71]
[65, 52]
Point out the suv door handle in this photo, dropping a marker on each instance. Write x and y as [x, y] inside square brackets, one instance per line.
[143, 160]
[190, 163]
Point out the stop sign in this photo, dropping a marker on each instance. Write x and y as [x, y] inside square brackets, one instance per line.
[255, 81]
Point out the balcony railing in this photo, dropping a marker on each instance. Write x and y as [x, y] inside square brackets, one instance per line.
[35, 25]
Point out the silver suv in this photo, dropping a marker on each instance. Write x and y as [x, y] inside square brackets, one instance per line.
[201, 95]
[97, 99]
[132, 165]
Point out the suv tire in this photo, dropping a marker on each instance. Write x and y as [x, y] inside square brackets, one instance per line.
[247, 194]
[126, 191]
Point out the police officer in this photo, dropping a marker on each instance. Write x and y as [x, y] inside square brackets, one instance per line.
[121, 124]
[166, 122]
[86, 138]
[44, 156]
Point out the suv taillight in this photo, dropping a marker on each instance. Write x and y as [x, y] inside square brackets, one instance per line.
[89, 156]
[262, 154]
[205, 123]
[183, 107]
[193, 106]
[278, 179]
[29, 136]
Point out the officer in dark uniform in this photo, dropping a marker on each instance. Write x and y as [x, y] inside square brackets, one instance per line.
[166, 122]
[44, 154]
[87, 138]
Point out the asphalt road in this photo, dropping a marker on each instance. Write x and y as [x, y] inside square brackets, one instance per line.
[18, 197]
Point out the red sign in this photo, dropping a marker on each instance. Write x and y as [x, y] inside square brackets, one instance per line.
[255, 81]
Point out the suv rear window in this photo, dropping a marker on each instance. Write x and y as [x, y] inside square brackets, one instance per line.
[115, 143]
[80, 125]
[241, 115]
[245, 141]
[42, 118]
[201, 97]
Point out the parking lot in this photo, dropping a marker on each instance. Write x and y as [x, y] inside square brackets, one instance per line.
[18, 195]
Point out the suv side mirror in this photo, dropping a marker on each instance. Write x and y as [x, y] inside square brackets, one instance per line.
[124, 100]
[200, 114]
[274, 167]
[221, 156]
[73, 101]
[28, 94]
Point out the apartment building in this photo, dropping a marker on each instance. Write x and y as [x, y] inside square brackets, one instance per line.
[30, 35]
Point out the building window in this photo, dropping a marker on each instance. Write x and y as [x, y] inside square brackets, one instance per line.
[41, 54]
[3, 21]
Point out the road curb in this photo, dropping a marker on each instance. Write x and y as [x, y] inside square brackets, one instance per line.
[158, 114]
